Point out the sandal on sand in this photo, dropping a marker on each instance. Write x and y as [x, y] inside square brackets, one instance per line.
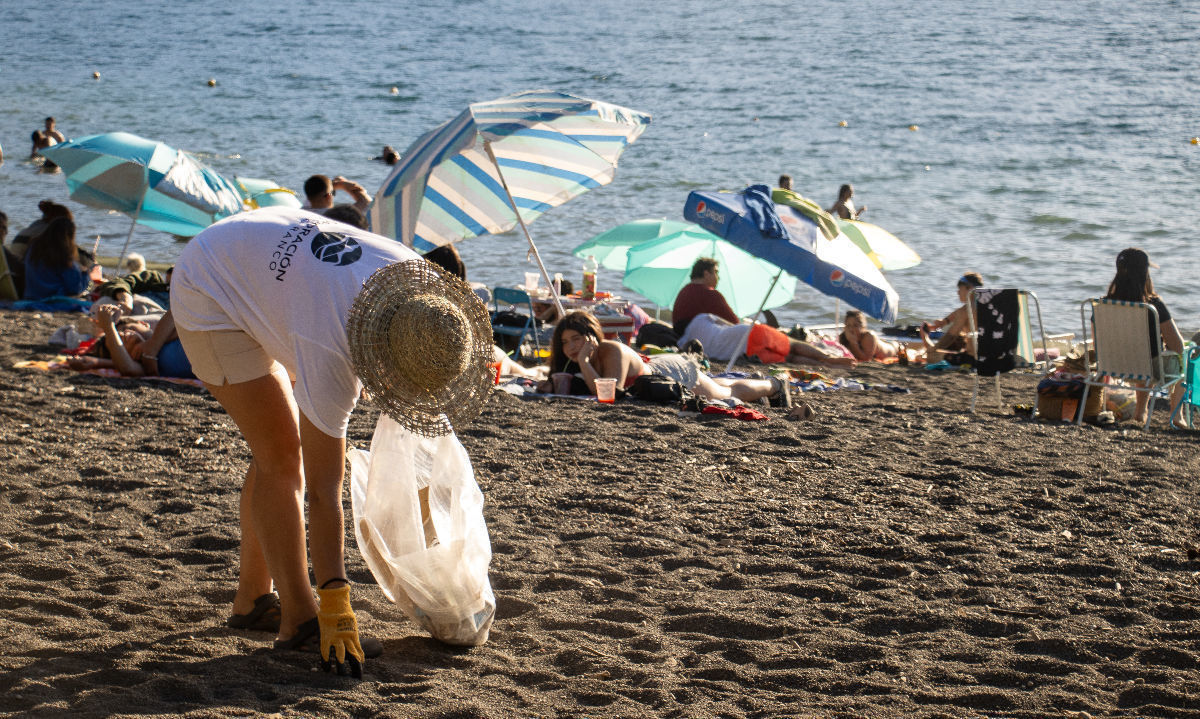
[308, 639]
[802, 412]
[264, 617]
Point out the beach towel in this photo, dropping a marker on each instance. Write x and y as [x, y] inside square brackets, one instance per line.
[60, 363]
[762, 211]
[809, 209]
[997, 312]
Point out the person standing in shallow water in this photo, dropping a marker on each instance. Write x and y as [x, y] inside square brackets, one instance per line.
[844, 207]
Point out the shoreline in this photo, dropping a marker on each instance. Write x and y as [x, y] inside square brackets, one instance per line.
[894, 556]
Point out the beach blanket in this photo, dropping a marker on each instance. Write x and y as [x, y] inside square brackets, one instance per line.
[807, 381]
[49, 304]
[762, 211]
[60, 363]
[809, 209]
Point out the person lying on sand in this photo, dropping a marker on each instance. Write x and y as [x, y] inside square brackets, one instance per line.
[578, 344]
[415, 337]
[135, 348]
[722, 340]
[865, 345]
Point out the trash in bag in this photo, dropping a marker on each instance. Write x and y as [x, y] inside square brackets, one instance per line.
[418, 518]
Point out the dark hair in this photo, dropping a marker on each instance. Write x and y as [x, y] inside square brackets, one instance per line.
[702, 265]
[317, 186]
[52, 210]
[3, 227]
[971, 279]
[1132, 281]
[845, 191]
[349, 214]
[448, 259]
[50, 119]
[55, 247]
[851, 313]
[785, 181]
[389, 155]
[565, 287]
[580, 321]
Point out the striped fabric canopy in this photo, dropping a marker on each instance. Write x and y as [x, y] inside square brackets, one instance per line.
[550, 147]
[157, 185]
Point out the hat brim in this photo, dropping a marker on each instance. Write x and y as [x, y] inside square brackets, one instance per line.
[429, 411]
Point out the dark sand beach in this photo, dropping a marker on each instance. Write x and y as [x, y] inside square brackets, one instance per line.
[892, 557]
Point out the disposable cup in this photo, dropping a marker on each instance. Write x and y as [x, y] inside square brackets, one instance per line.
[562, 382]
[531, 282]
[495, 372]
[606, 389]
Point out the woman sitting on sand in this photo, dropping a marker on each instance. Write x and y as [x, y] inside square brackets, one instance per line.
[578, 346]
[1132, 284]
[864, 344]
[134, 348]
[52, 264]
[955, 326]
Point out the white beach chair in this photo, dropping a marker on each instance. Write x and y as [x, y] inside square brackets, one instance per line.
[1004, 343]
[1128, 346]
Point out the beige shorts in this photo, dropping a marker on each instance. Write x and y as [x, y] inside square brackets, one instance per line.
[221, 357]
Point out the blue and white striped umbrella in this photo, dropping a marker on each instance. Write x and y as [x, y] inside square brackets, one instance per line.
[531, 151]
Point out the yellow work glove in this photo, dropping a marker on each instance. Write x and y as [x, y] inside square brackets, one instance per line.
[339, 632]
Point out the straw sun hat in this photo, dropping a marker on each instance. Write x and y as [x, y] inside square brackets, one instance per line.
[420, 341]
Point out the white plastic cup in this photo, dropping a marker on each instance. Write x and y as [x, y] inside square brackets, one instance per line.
[606, 389]
[531, 282]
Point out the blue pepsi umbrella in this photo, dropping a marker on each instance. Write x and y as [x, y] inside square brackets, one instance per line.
[835, 267]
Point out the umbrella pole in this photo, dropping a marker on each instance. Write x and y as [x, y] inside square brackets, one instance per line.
[487, 145]
[136, 215]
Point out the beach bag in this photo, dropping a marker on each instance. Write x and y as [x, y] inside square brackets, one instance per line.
[656, 333]
[418, 519]
[657, 388]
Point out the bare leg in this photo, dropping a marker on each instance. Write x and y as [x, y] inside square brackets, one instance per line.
[265, 412]
[803, 351]
[747, 390]
[254, 579]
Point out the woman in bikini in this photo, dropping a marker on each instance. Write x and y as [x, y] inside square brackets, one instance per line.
[578, 346]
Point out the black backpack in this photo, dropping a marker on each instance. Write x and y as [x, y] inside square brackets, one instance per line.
[657, 388]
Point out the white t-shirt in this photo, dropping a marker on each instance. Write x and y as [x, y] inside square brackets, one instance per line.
[287, 278]
[721, 339]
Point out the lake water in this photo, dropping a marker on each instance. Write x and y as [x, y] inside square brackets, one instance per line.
[1051, 134]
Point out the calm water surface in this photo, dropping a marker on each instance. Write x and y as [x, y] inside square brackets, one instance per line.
[1051, 134]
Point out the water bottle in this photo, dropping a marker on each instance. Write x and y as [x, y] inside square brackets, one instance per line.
[557, 284]
[589, 278]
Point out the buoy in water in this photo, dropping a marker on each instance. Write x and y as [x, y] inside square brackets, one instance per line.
[843, 123]
[212, 82]
[1196, 140]
[927, 168]
[914, 128]
[395, 90]
[95, 75]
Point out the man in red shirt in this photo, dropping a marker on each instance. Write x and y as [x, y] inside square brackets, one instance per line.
[700, 296]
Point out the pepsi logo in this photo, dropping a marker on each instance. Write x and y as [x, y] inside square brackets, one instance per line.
[336, 248]
[700, 207]
[837, 278]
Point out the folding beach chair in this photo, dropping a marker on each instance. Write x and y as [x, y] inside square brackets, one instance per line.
[519, 302]
[1191, 382]
[1128, 346]
[1002, 326]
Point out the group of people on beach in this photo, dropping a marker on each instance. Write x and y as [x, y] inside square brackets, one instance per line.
[411, 333]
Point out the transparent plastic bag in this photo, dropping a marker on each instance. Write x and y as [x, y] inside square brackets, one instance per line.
[418, 519]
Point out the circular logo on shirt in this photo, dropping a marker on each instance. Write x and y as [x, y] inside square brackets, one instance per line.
[837, 278]
[336, 248]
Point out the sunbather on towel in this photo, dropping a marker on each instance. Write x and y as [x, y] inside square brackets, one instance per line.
[722, 340]
[865, 345]
[135, 349]
[578, 345]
